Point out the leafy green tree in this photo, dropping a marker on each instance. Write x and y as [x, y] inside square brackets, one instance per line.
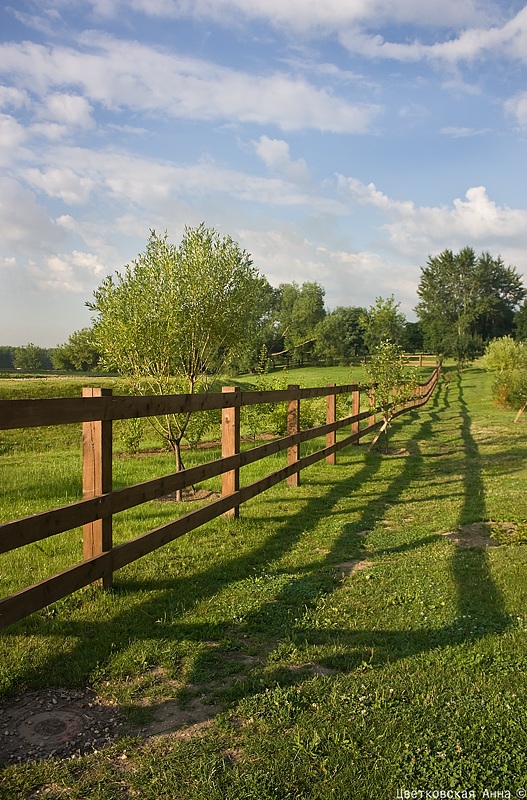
[176, 317]
[466, 300]
[520, 323]
[383, 322]
[300, 309]
[78, 353]
[412, 340]
[6, 357]
[267, 338]
[394, 382]
[507, 358]
[30, 357]
[339, 336]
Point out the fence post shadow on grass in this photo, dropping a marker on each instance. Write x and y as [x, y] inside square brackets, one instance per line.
[470, 567]
[97, 642]
[470, 571]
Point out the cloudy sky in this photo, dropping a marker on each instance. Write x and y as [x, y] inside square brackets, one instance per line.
[341, 141]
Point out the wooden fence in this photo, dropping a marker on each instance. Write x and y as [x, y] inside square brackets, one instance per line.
[97, 409]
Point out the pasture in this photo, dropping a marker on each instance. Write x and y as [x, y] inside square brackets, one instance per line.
[359, 636]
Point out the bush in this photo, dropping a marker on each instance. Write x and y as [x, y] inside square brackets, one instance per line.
[507, 358]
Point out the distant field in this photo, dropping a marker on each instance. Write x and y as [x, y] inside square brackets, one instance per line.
[351, 638]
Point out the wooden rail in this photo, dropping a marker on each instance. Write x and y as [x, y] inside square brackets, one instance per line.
[98, 408]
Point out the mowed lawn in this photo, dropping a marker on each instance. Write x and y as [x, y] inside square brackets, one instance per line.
[355, 637]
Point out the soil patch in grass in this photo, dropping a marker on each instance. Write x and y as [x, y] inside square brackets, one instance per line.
[477, 534]
[348, 568]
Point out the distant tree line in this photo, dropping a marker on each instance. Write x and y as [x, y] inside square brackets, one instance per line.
[465, 301]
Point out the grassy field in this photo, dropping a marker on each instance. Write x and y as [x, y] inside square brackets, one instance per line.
[354, 638]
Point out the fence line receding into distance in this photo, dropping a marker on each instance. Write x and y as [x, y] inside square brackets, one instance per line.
[97, 409]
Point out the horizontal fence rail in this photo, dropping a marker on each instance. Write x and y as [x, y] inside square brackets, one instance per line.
[97, 409]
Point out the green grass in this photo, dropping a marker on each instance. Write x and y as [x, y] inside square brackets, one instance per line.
[408, 674]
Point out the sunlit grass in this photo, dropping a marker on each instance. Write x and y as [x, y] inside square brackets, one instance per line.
[408, 673]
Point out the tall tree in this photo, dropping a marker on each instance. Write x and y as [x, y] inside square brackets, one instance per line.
[6, 357]
[299, 311]
[31, 357]
[520, 323]
[383, 322]
[78, 353]
[412, 340]
[466, 300]
[177, 315]
[339, 336]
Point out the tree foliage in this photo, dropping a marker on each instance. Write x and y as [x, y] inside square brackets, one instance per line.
[394, 381]
[78, 353]
[383, 322]
[177, 315]
[6, 357]
[465, 301]
[299, 310]
[507, 359]
[520, 323]
[339, 335]
[31, 357]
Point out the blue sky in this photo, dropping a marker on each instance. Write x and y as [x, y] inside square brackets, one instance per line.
[341, 141]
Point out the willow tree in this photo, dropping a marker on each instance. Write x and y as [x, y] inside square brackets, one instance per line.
[175, 317]
[394, 383]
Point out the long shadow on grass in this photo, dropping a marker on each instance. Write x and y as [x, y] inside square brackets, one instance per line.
[478, 613]
[480, 606]
[157, 618]
[281, 622]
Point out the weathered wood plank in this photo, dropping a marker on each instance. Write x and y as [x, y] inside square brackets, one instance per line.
[60, 411]
[331, 418]
[36, 527]
[293, 427]
[230, 446]
[97, 480]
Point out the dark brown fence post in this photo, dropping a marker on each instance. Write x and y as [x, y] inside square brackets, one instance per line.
[293, 426]
[355, 409]
[331, 416]
[230, 446]
[97, 480]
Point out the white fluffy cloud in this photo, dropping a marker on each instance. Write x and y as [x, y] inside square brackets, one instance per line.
[276, 155]
[26, 226]
[72, 273]
[61, 182]
[508, 39]
[517, 106]
[298, 15]
[67, 109]
[126, 75]
[417, 230]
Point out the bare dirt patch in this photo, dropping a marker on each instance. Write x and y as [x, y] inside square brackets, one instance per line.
[169, 718]
[348, 568]
[477, 534]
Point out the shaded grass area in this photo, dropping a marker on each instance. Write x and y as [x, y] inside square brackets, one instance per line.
[321, 682]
